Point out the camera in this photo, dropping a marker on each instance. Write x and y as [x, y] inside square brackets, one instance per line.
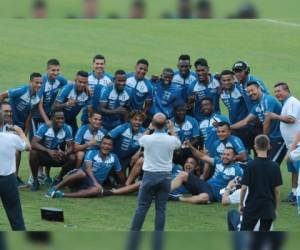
[10, 128]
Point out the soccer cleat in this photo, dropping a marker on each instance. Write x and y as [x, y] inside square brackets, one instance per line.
[174, 197]
[51, 192]
[58, 194]
[35, 186]
[106, 192]
[291, 198]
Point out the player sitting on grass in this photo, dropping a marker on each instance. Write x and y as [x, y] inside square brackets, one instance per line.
[89, 137]
[191, 166]
[48, 148]
[205, 192]
[87, 181]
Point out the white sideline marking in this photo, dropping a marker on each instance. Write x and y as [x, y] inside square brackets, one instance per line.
[281, 22]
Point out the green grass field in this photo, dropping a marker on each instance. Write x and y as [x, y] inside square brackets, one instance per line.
[271, 49]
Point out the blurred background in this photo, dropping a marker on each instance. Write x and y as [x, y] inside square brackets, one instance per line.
[149, 9]
[173, 241]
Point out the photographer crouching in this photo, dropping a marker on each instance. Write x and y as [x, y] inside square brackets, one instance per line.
[10, 141]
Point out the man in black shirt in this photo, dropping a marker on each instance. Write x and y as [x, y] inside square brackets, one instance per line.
[262, 177]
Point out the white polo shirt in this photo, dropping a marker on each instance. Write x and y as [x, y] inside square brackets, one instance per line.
[158, 151]
[291, 108]
[9, 144]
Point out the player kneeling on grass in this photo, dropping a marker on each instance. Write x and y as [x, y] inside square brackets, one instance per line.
[48, 148]
[87, 181]
[205, 192]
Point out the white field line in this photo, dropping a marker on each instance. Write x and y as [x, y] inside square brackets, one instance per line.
[281, 22]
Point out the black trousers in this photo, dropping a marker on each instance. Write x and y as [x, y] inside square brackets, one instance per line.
[9, 195]
[277, 151]
[248, 224]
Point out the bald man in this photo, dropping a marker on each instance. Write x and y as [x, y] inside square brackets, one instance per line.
[157, 167]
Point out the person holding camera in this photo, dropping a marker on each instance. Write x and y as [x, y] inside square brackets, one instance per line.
[9, 194]
[157, 167]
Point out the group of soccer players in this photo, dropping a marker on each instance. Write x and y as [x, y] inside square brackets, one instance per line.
[117, 109]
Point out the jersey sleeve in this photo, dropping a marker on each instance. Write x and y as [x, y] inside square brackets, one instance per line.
[89, 156]
[190, 88]
[117, 131]
[79, 136]
[63, 81]
[277, 176]
[69, 136]
[246, 177]
[41, 131]
[104, 95]
[149, 95]
[15, 92]
[62, 96]
[239, 145]
[270, 104]
[196, 131]
[117, 165]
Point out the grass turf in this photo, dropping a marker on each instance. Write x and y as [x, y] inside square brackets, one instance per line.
[271, 49]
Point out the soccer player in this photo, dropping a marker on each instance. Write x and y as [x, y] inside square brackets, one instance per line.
[73, 98]
[242, 73]
[98, 79]
[142, 91]
[166, 95]
[87, 181]
[126, 138]
[184, 77]
[23, 101]
[48, 148]
[289, 126]
[89, 137]
[53, 82]
[115, 102]
[265, 103]
[237, 108]
[224, 140]
[206, 85]
[206, 192]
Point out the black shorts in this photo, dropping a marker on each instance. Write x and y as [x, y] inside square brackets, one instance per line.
[47, 161]
[197, 186]
[85, 183]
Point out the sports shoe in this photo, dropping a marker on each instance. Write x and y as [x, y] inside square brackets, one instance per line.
[58, 194]
[291, 198]
[51, 192]
[35, 186]
[174, 197]
[107, 192]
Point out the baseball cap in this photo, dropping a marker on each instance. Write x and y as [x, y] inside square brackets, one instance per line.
[239, 65]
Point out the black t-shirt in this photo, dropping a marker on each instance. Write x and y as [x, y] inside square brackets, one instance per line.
[261, 176]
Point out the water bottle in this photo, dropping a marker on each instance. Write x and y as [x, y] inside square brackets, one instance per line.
[298, 199]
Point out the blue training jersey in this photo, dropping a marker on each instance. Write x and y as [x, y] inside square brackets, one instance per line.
[243, 89]
[114, 100]
[200, 90]
[184, 82]
[22, 102]
[188, 130]
[104, 80]
[54, 140]
[235, 104]
[268, 103]
[232, 141]
[125, 142]
[165, 98]
[49, 91]
[222, 175]
[208, 130]
[69, 93]
[102, 167]
[141, 90]
[84, 135]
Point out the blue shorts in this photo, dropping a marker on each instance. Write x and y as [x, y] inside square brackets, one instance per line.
[85, 183]
[293, 166]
